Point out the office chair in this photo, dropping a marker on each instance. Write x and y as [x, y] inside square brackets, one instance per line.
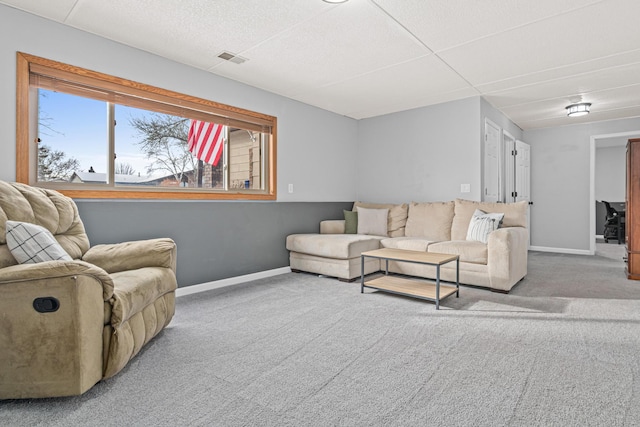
[614, 226]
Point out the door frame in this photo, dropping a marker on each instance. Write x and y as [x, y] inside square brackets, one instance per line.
[592, 181]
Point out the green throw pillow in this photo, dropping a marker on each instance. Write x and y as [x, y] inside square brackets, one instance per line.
[350, 222]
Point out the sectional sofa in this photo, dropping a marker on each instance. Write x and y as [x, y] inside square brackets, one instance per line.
[491, 240]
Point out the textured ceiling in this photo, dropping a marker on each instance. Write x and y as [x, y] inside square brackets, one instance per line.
[363, 58]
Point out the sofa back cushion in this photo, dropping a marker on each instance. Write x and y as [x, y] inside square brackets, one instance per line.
[46, 208]
[397, 217]
[515, 215]
[431, 220]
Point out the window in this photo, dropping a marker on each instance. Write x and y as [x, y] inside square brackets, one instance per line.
[91, 135]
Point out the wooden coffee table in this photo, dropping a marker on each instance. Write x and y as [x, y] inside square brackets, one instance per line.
[431, 290]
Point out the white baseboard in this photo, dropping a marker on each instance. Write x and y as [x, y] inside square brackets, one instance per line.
[188, 290]
[561, 250]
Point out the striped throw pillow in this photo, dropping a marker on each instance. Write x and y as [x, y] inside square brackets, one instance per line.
[482, 224]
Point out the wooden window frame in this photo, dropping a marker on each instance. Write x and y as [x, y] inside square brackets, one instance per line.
[26, 131]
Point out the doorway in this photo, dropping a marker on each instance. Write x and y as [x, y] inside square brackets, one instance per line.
[614, 141]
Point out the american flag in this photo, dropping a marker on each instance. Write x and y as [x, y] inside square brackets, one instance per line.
[206, 141]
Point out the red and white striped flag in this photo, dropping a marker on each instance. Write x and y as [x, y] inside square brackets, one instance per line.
[206, 141]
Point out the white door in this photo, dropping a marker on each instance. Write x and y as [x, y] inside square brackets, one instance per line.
[523, 171]
[523, 178]
[492, 163]
[509, 167]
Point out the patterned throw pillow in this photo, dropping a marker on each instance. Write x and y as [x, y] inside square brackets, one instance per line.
[482, 224]
[31, 243]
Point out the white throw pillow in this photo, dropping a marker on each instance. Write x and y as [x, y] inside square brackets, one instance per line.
[31, 243]
[482, 224]
[372, 221]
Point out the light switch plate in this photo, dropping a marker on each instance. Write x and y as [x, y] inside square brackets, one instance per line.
[465, 188]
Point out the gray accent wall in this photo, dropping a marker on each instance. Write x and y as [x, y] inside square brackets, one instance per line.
[215, 240]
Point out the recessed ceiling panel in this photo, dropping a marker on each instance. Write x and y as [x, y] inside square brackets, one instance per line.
[352, 39]
[444, 24]
[611, 61]
[597, 31]
[399, 87]
[606, 105]
[55, 10]
[194, 31]
[580, 85]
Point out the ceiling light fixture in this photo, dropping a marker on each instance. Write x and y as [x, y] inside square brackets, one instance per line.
[335, 1]
[577, 110]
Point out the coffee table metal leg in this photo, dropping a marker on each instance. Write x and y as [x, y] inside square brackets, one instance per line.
[361, 274]
[458, 277]
[438, 287]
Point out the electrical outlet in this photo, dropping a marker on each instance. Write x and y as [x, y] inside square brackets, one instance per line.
[290, 188]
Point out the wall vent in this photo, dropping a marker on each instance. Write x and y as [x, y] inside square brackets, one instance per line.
[231, 57]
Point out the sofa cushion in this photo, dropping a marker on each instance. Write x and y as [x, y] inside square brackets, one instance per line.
[482, 224]
[430, 220]
[515, 215]
[397, 216]
[31, 243]
[468, 250]
[350, 222]
[340, 246]
[372, 221]
[407, 243]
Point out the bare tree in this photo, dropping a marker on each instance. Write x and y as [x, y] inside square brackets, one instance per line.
[53, 165]
[164, 142]
[124, 169]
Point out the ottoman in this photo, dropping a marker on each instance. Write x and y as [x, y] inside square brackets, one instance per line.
[335, 255]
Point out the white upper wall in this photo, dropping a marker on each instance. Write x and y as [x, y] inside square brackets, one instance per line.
[316, 148]
[421, 155]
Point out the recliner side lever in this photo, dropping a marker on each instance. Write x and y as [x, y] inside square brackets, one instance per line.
[46, 304]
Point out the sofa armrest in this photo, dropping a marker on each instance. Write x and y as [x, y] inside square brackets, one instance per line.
[54, 270]
[508, 250]
[133, 255]
[332, 226]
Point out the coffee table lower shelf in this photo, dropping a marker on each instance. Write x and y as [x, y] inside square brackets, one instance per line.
[410, 287]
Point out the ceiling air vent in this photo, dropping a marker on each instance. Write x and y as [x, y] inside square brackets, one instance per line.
[228, 56]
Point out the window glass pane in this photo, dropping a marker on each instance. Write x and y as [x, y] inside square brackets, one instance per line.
[152, 149]
[245, 162]
[72, 134]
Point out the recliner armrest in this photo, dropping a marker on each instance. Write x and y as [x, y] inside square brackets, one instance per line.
[51, 270]
[133, 255]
